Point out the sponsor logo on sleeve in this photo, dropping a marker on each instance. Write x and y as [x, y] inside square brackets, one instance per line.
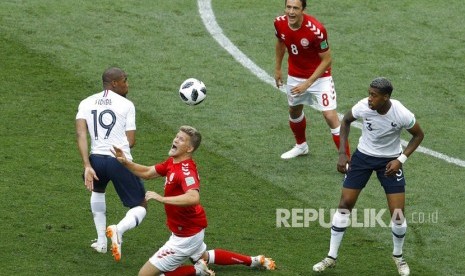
[324, 44]
[190, 180]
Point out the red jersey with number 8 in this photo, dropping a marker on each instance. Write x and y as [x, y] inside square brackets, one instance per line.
[303, 45]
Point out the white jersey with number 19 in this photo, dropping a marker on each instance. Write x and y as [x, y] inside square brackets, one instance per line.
[108, 116]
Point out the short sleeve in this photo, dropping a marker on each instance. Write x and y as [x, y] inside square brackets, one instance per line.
[131, 118]
[162, 168]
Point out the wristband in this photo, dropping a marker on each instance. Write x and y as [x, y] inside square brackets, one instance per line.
[402, 158]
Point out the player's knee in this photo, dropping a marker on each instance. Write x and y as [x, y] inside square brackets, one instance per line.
[144, 204]
[345, 206]
[295, 111]
[332, 118]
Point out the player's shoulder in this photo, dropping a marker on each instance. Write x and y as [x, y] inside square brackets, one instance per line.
[120, 100]
[115, 95]
[399, 106]
[108, 100]
[311, 18]
[360, 108]
[314, 26]
[362, 103]
[189, 164]
[396, 102]
[93, 96]
[312, 23]
[187, 167]
[282, 19]
[89, 99]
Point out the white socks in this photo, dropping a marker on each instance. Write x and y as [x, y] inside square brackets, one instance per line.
[339, 224]
[398, 237]
[341, 221]
[335, 131]
[211, 256]
[98, 207]
[132, 219]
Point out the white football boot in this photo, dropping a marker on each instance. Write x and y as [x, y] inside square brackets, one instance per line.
[296, 151]
[324, 264]
[402, 266]
[112, 232]
[261, 261]
[202, 269]
[99, 247]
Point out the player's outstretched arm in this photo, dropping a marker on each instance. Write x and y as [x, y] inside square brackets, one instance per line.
[144, 172]
[191, 197]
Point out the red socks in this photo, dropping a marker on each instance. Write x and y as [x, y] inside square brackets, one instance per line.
[186, 270]
[218, 257]
[337, 140]
[298, 128]
[223, 257]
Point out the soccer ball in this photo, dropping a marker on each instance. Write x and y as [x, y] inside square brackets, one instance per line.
[192, 91]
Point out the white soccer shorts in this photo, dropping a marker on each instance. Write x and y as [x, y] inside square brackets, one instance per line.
[321, 95]
[177, 250]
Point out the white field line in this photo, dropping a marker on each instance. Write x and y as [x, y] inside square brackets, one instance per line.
[209, 20]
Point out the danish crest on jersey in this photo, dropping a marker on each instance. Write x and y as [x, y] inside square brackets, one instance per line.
[304, 42]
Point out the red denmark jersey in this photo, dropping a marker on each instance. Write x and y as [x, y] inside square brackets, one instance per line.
[303, 45]
[180, 177]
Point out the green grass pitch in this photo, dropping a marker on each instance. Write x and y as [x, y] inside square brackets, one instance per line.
[52, 56]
